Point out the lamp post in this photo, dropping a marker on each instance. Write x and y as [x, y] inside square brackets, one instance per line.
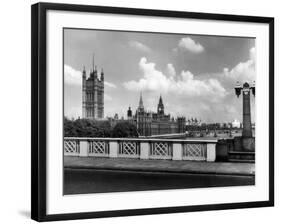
[246, 91]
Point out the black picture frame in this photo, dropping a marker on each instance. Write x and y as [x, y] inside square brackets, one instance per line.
[39, 107]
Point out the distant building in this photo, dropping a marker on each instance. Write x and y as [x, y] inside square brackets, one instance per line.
[116, 117]
[147, 123]
[236, 124]
[129, 114]
[193, 122]
[225, 125]
[93, 94]
[150, 123]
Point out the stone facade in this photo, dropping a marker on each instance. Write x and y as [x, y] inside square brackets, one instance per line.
[93, 94]
[150, 123]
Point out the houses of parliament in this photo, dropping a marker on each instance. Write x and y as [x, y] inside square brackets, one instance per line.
[155, 123]
[147, 123]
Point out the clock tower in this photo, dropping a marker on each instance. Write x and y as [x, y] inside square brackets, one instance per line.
[160, 108]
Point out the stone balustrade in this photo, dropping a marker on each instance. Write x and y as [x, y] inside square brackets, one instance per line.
[170, 149]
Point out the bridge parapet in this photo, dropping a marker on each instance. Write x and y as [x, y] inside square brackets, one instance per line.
[169, 149]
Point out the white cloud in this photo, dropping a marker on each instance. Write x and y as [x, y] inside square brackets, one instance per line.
[73, 112]
[107, 97]
[72, 76]
[171, 70]
[110, 85]
[152, 80]
[253, 53]
[185, 84]
[243, 71]
[189, 44]
[140, 46]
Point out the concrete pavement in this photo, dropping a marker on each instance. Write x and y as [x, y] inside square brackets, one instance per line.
[191, 167]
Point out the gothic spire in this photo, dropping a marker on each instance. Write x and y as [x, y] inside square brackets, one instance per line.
[141, 102]
[84, 72]
[160, 100]
[93, 62]
[102, 75]
[160, 108]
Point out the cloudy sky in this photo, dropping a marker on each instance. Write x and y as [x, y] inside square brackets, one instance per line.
[195, 74]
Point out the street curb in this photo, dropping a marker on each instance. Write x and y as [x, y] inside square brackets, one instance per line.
[159, 171]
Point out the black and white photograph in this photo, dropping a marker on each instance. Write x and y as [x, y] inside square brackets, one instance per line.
[144, 111]
[147, 111]
[140, 112]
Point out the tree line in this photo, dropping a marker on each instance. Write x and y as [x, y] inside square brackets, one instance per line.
[96, 128]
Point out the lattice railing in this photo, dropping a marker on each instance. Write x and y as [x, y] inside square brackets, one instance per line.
[98, 148]
[141, 148]
[194, 151]
[160, 150]
[129, 149]
[71, 147]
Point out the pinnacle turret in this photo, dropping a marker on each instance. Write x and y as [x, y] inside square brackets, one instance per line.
[141, 102]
